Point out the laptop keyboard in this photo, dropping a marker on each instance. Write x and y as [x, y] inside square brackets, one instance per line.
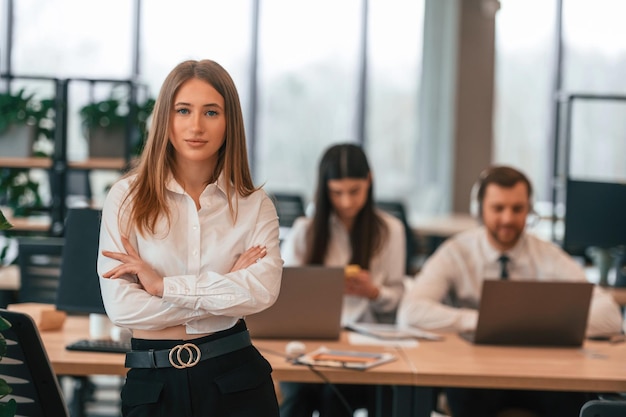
[94, 345]
[468, 335]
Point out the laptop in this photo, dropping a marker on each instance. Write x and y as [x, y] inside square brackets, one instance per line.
[308, 307]
[532, 313]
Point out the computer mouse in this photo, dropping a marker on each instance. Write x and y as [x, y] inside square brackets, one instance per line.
[294, 349]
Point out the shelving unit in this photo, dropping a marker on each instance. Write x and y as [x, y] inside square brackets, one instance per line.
[58, 165]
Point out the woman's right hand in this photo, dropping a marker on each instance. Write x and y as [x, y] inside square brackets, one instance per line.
[132, 264]
[249, 257]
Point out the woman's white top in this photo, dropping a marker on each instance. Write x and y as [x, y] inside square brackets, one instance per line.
[194, 255]
[386, 268]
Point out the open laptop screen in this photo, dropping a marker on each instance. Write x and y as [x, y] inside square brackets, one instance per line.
[533, 313]
[308, 307]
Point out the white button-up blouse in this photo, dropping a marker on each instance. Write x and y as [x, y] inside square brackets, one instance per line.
[386, 267]
[194, 255]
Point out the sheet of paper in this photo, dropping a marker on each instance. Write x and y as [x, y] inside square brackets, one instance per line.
[362, 339]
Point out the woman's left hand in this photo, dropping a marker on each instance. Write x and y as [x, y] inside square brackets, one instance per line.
[249, 258]
[132, 264]
[361, 285]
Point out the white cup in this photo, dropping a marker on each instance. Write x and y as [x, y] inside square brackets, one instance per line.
[120, 334]
[99, 326]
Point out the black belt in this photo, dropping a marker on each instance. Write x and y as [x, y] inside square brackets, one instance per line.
[188, 354]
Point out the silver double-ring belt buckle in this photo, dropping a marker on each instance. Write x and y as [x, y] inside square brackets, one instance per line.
[193, 358]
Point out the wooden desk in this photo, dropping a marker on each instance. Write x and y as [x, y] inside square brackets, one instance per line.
[397, 372]
[10, 277]
[74, 363]
[66, 362]
[88, 363]
[453, 362]
[30, 224]
[619, 294]
[597, 366]
[443, 225]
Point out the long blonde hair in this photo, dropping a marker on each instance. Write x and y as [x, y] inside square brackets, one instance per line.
[148, 191]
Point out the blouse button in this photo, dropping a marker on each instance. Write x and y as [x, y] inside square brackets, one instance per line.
[195, 252]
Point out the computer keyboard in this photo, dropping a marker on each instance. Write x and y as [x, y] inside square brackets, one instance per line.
[97, 345]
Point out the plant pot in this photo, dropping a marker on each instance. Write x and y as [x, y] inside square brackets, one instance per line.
[107, 142]
[17, 141]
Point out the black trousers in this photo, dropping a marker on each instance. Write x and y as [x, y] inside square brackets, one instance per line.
[238, 384]
[469, 402]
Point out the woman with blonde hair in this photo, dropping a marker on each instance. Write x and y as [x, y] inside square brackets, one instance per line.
[188, 248]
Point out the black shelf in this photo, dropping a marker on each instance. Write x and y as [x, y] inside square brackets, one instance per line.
[57, 164]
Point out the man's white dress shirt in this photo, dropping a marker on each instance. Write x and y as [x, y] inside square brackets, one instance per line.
[445, 294]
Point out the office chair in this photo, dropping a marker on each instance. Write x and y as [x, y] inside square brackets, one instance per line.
[35, 386]
[78, 191]
[396, 208]
[39, 261]
[288, 206]
[79, 293]
[604, 408]
[78, 186]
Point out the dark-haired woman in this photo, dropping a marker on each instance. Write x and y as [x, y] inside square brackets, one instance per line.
[347, 229]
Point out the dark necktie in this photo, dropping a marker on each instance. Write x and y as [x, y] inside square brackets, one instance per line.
[504, 271]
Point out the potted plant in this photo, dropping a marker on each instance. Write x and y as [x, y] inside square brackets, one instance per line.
[106, 123]
[19, 191]
[9, 408]
[24, 120]
[18, 130]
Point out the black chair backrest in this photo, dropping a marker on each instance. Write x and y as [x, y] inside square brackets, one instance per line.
[604, 408]
[288, 206]
[79, 285]
[37, 389]
[397, 208]
[39, 260]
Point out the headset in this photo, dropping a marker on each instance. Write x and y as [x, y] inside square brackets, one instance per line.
[501, 175]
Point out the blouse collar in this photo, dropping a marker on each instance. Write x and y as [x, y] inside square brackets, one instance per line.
[174, 186]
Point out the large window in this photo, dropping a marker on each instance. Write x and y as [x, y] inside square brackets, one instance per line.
[96, 42]
[199, 29]
[525, 48]
[392, 118]
[309, 74]
[308, 87]
[310, 90]
[73, 38]
[595, 64]
[594, 61]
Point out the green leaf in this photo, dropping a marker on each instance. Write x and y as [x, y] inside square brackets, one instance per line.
[4, 324]
[4, 224]
[5, 389]
[3, 347]
[8, 409]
